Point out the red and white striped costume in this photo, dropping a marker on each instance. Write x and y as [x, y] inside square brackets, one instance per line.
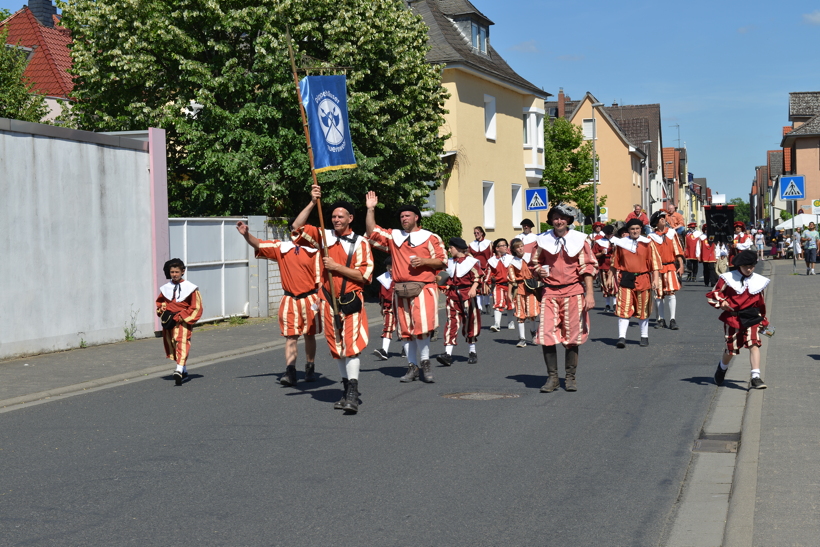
[300, 270]
[416, 316]
[483, 251]
[565, 260]
[497, 275]
[740, 293]
[691, 243]
[603, 246]
[667, 244]
[640, 257]
[386, 300]
[526, 302]
[184, 300]
[530, 242]
[462, 312]
[354, 335]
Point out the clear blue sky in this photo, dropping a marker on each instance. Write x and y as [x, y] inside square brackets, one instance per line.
[722, 71]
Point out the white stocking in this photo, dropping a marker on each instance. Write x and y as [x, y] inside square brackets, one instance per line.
[644, 328]
[659, 305]
[424, 348]
[671, 303]
[623, 324]
[342, 367]
[352, 364]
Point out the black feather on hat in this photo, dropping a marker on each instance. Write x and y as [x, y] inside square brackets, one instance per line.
[656, 216]
[745, 258]
[458, 243]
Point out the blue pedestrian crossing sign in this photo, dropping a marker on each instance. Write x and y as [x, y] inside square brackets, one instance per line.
[536, 199]
[793, 187]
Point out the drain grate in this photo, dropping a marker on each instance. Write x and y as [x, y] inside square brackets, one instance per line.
[722, 443]
[480, 396]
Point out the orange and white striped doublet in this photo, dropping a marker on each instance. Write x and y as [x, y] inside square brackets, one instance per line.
[667, 245]
[482, 251]
[526, 302]
[353, 338]
[497, 275]
[462, 312]
[641, 258]
[564, 320]
[416, 316]
[184, 300]
[300, 269]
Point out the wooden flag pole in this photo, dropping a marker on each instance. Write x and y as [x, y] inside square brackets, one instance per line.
[337, 318]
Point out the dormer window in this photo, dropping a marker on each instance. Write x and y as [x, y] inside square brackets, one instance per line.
[479, 37]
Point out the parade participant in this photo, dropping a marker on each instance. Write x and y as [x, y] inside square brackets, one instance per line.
[524, 298]
[597, 231]
[637, 262]
[481, 250]
[667, 245]
[417, 255]
[602, 249]
[740, 242]
[388, 313]
[350, 261]
[809, 239]
[179, 306]
[527, 237]
[465, 276]
[739, 294]
[563, 260]
[707, 254]
[496, 276]
[299, 307]
[690, 251]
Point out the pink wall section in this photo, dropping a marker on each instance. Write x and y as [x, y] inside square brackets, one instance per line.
[159, 209]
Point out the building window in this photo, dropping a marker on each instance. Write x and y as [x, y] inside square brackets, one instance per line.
[489, 205]
[589, 129]
[489, 117]
[540, 131]
[527, 140]
[479, 37]
[517, 205]
[475, 35]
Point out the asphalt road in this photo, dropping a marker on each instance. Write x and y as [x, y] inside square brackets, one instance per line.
[233, 458]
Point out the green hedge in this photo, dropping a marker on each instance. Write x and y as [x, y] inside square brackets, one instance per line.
[443, 225]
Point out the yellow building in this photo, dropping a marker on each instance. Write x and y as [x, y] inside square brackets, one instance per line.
[495, 122]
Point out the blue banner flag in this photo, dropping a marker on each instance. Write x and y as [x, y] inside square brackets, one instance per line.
[325, 101]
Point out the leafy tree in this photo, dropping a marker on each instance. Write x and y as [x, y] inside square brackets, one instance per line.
[443, 225]
[17, 100]
[568, 166]
[742, 210]
[150, 64]
[784, 215]
[4, 13]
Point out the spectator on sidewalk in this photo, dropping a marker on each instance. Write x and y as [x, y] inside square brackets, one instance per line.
[675, 220]
[760, 243]
[640, 214]
[809, 242]
[739, 294]
[179, 305]
[797, 245]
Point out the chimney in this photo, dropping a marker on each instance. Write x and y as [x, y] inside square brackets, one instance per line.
[43, 11]
[561, 110]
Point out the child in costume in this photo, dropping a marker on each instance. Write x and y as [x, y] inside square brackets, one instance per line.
[496, 276]
[602, 248]
[465, 276]
[526, 301]
[739, 294]
[388, 313]
[181, 305]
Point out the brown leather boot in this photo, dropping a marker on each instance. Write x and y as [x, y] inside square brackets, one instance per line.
[551, 359]
[570, 364]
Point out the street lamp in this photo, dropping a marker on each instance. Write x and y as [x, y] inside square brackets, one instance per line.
[594, 165]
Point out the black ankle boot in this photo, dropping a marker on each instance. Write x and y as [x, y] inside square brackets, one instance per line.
[351, 397]
[339, 405]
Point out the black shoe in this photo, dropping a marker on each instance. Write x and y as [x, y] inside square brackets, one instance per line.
[412, 374]
[607, 309]
[720, 374]
[403, 352]
[310, 372]
[673, 325]
[757, 383]
[184, 375]
[472, 359]
[381, 354]
[289, 377]
[445, 359]
[177, 378]
[621, 343]
[660, 324]
[644, 341]
[351, 403]
[427, 373]
[338, 405]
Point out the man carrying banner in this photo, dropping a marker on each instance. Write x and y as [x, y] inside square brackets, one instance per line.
[350, 260]
[417, 255]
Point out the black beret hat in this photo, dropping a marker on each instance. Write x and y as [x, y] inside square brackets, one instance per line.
[173, 263]
[458, 243]
[633, 222]
[745, 258]
[411, 208]
[527, 222]
[346, 205]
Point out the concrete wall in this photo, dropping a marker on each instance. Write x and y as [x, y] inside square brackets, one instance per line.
[84, 219]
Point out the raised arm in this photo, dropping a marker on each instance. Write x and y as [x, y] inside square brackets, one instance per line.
[252, 240]
[301, 220]
[370, 201]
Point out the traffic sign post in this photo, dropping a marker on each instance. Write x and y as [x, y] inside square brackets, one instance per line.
[537, 200]
[793, 187]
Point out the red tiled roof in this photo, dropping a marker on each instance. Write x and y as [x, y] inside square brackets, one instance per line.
[48, 68]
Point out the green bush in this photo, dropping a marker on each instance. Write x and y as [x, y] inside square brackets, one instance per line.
[443, 225]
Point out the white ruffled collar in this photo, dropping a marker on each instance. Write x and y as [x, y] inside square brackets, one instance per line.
[505, 260]
[185, 290]
[459, 269]
[517, 262]
[480, 246]
[755, 283]
[332, 239]
[573, 242]
[629, 244]
[695, 234]
[385, 279]
[603, 242]
[658, 238]
[416, 238]
[527, 238]
[286, 246]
